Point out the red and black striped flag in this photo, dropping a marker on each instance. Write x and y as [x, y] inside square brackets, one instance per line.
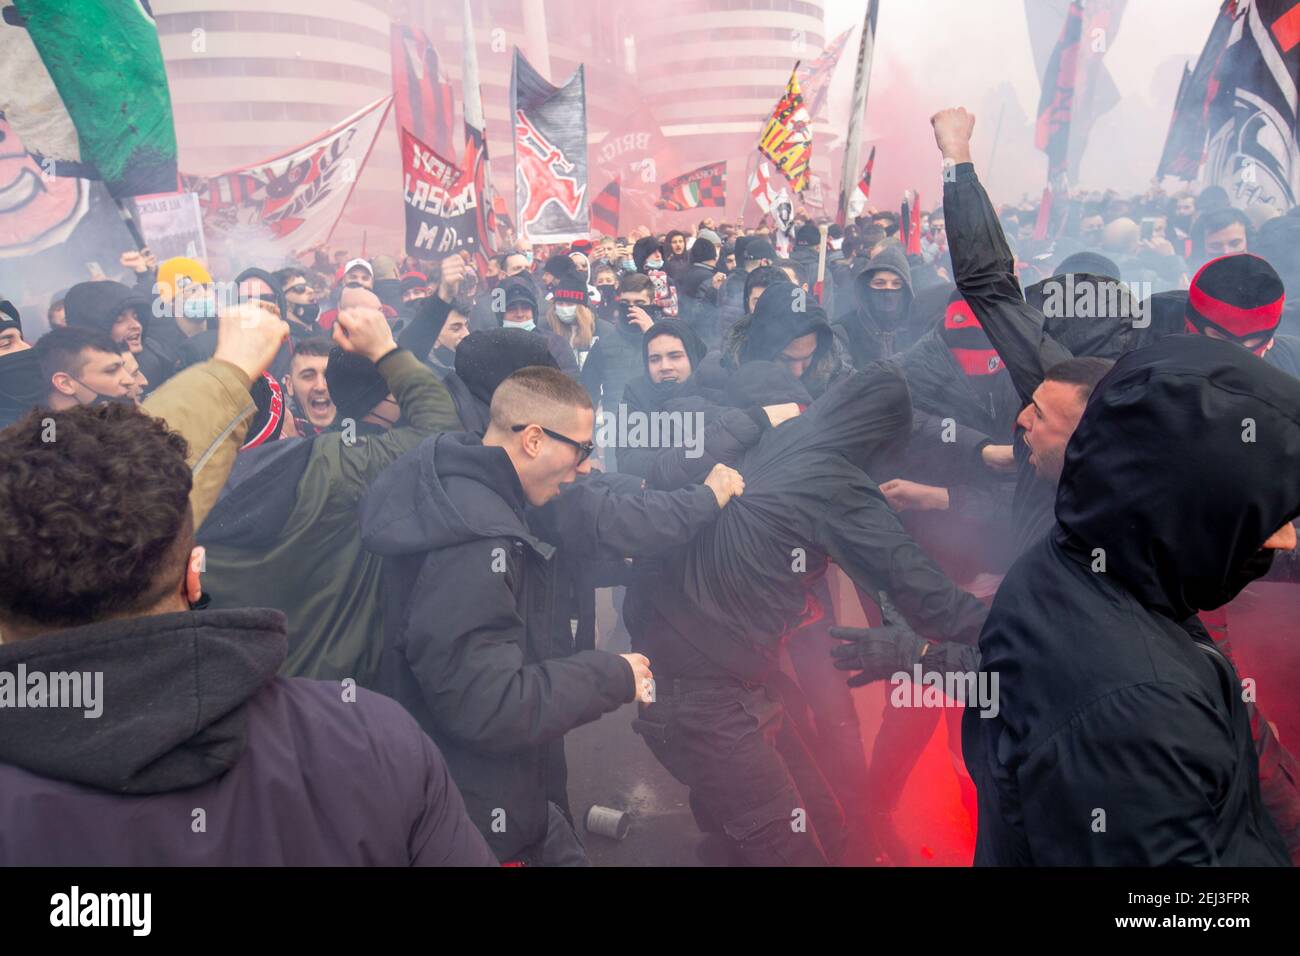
[421, 95]
[1076, 88]
[604, 211]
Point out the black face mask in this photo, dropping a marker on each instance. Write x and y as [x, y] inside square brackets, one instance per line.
[1248, 572]
[887, 307]
[664, 391]
[306, 314]
[654, 311]
[102, 399]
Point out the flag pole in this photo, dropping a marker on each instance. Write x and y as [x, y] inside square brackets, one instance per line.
[861, 82]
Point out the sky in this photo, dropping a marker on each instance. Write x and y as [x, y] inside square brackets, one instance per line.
[936, 53]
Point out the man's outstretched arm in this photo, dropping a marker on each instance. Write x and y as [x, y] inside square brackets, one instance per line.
[983, 264]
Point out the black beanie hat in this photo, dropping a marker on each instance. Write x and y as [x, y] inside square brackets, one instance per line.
[808, 235]
[691, 342]
[702, 250]
[487, 358]
[571, 290]
[1241, 296]
[281, 302]
[559, 265]
[355, 384]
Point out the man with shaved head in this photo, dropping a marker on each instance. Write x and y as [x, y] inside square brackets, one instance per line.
[477, 641]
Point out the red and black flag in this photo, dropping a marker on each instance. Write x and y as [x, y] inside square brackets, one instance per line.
[705, 186]
[1076, 87]
[604, 211]
[421, 94]
[914, 227]
[1235, 121]
[442, 203]
[862, 194]
[550, 136]
[1189, 129]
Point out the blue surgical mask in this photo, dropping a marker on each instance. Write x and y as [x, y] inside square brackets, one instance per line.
[655, 263]
[568, 314]
[629, 265]
[204, 308]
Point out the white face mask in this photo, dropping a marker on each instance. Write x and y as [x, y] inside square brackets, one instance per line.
[568, 314]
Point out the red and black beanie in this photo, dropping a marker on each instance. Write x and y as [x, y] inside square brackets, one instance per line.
[966, 340]
[1239, 296]
[571, 290]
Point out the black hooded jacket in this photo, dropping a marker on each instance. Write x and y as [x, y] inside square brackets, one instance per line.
[866, 336]
[727, 599]
[288, 772]
[1111, 698]
[468, 596]
[477, 640]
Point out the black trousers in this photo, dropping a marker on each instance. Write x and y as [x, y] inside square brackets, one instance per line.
[750, 775]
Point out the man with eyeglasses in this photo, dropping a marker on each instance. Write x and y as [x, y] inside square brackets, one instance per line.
[300, 300]
[471, 604]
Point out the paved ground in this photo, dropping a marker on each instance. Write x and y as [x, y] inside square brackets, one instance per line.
[611, 766]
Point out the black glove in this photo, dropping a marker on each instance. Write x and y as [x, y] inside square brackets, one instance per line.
[878, 653]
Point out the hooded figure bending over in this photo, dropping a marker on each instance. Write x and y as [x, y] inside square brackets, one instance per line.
[1121, 737]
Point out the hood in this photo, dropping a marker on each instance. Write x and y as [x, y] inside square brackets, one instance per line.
[98, 304]
[172, 696]
[643, 248]
[1111, 330]
[775, 324]
[448, 490]
[694, 345]
[891, 259]
[1158, 473]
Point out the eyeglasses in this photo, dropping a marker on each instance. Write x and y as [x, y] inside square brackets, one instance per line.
[585, 448]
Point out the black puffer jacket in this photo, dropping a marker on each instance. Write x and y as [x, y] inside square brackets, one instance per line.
[1121, 738]
[469, 631]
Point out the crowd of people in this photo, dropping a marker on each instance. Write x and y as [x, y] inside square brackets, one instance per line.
[335, 533]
